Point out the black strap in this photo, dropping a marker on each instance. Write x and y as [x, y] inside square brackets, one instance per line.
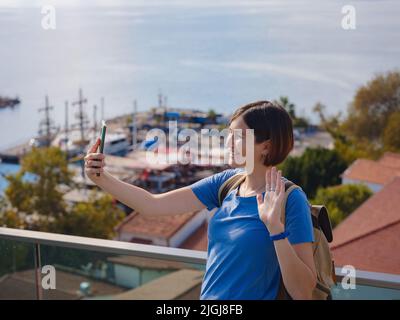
[229, 184]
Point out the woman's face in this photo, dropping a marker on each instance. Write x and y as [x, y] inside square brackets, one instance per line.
[236, 145]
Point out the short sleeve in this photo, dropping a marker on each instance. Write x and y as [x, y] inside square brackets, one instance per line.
[298, 218]
[206, 189]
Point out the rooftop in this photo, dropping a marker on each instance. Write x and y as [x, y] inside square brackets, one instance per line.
[371, 171]
[390, 159]
[154, 225]
[369, 237]
[198, 240]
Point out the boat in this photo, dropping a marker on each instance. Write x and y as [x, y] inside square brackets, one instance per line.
[116, 143]
[9, 102]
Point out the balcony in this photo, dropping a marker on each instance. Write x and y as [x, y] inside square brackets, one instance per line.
[38, 265]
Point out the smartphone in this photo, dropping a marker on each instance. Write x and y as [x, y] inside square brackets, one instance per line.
[103, 137]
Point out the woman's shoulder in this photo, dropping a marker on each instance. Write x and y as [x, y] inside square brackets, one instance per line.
[297, 197]
[227, 173]
[220, 177]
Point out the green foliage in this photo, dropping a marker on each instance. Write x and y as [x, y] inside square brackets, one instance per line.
[39, 204]
[298, 122]
[95, 218]
[372, 106]
[316, 167]
[342, 200]
[50, 167]
[15, 256]
[349, 147]
[289, 106]
[211, 114]
[391, 135]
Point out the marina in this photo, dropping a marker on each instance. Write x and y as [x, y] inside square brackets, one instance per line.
[158, 163]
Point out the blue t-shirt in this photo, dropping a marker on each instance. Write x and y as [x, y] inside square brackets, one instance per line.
[241, 259]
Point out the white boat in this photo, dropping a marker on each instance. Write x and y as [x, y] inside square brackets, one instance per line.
[116, 143]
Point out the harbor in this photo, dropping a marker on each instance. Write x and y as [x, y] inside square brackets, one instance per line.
[124, 143]
[127, 156]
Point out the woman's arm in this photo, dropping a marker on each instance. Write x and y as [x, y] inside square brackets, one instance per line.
[296, 261]
[297, 268]
[173, 202]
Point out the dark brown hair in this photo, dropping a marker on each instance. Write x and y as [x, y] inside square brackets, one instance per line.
[269, 121]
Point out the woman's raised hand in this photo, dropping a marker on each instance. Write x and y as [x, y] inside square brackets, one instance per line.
[270, 208]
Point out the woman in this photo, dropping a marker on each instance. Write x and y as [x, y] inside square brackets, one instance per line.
[243, 262]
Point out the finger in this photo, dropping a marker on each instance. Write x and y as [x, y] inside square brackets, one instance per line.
[94, 170]
[94, 156]
[95, 163]
[94, 147]
[259, 199]
[273, 178]
[279, 182]
[282, 189]
[267, 180]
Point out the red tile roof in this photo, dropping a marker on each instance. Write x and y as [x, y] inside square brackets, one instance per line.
[369, 238]
[390, 159]
[198, 239]
[378, 252]
[370, 171]
[154, 225]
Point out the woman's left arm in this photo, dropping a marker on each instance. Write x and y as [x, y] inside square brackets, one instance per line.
[295, 260]
[297, 268]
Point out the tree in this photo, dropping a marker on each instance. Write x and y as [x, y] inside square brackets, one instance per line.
[315, 168]
[298, 122]
[391, 135]
[96, 218]
[347, 146]
[212, 114]
[289, 106]
[342, 200]
[372, 106]
[9, 216]
[40, 197]
[39, 204]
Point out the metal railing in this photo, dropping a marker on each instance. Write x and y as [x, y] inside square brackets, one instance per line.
[373, 279]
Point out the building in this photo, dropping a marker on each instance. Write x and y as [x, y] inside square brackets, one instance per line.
[375, 174]
[369, 239]
[198, 240]
[390, 159]
[169, 230]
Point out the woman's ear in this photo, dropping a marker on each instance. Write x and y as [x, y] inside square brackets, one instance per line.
[266, 147]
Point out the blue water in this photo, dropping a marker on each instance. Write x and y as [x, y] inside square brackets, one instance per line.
[202, 54]
[5, 169]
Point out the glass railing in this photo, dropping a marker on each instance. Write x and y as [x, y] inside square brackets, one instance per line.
[37, 265]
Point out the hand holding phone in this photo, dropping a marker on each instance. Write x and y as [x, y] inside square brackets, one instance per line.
[103, 136]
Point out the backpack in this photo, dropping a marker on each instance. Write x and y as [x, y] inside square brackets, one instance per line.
[324, 263]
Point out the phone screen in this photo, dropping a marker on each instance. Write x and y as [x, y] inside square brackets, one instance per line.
[103, 135]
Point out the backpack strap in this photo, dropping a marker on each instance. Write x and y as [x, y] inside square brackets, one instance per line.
[289, 187]
[230, 184]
